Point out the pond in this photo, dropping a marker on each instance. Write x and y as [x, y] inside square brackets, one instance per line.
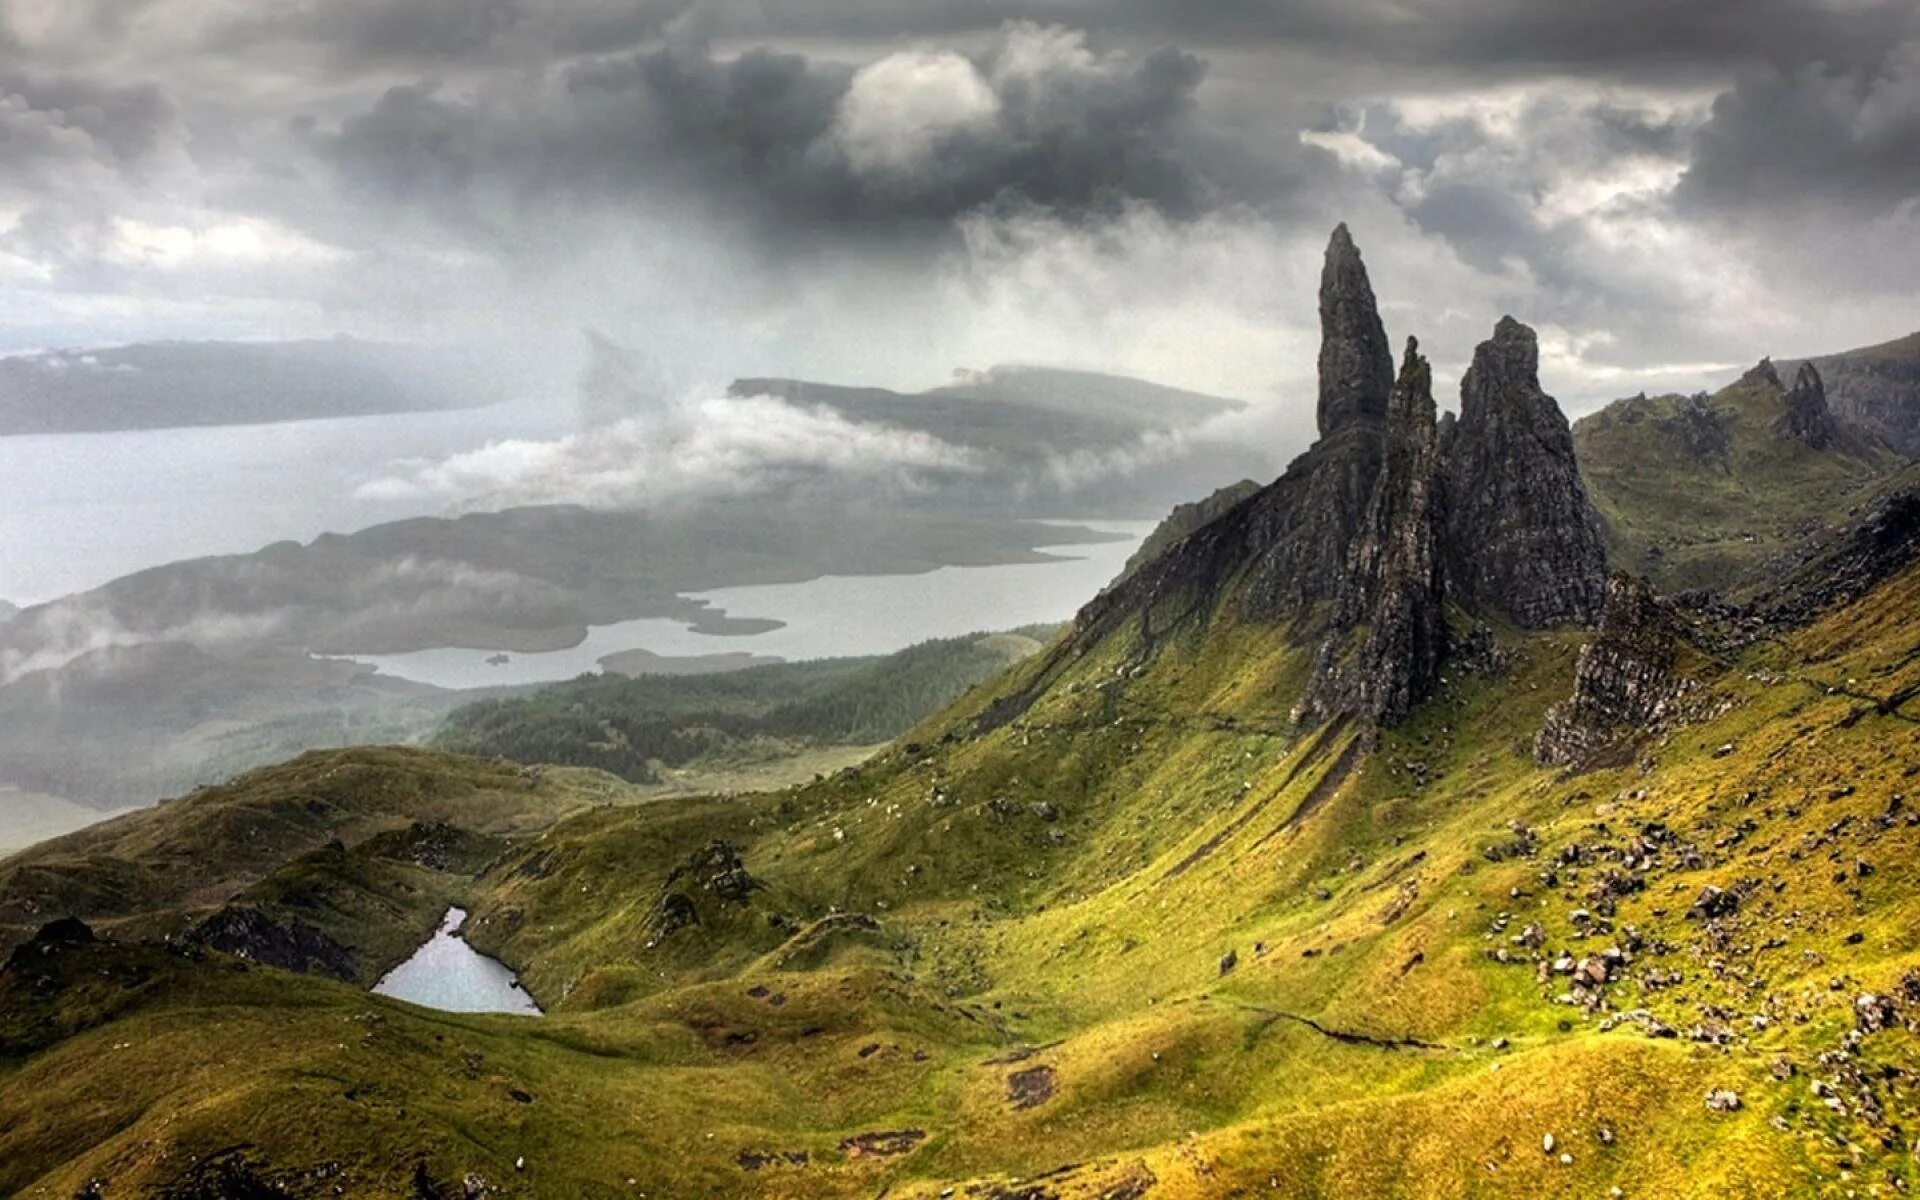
[448, 974]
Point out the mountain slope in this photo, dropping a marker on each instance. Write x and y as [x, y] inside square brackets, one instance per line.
[638, 728]
[1877, 389]
[1703, 491]
[167, 385]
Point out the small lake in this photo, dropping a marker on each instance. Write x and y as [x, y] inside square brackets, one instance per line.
[448, 974]
[831, 617]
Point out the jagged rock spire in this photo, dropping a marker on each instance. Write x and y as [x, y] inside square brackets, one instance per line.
[1522, 537]
[1356, 364]
[1807, 419]
[1393, 586]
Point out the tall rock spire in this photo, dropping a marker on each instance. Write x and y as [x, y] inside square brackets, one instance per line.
[1392, 586]
[1522, 537]
[1356, 364]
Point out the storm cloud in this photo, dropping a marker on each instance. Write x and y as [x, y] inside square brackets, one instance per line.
[885, 190]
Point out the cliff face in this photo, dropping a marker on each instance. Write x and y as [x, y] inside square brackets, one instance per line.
[1183, 520]
[1389, 518]
[1522, 537]
[1876, 391]
[1392, 595]
[1807, 419]
[1625, 684]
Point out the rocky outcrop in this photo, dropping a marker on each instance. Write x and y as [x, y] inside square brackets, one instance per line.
[1846, 566]
[1763, 374]
[295, 946]
[1522, 538]
[1362, 546]
[1807, 419]
[1875, 391]
[1356, 361]
[1383, 653]
[1625, 684]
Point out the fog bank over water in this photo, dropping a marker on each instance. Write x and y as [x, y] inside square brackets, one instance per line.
[85, 508]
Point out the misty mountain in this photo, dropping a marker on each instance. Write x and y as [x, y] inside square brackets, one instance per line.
[163, 385]
[186, 673]
[1055, 440]
[126, 725]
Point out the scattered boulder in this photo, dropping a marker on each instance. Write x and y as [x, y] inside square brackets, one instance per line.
[1031, 1087]
[883, 1144]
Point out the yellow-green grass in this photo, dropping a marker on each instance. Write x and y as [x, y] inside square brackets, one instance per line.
[1058, 892]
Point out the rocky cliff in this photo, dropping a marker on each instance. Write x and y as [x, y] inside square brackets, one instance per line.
[1522, 538]
[1368, 538]
[1876, 390]
[1392, 597]
[1807, 419]
[1625, 685]
[1356, 361]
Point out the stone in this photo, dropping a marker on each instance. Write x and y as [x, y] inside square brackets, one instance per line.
[1713, 903]
[1356, 364]
[1722, 1100]
[1522, 537]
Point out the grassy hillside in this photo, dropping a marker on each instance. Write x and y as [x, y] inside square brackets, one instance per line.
[1143, 939]
[1703, 491]
[153, 872]
[644, 728]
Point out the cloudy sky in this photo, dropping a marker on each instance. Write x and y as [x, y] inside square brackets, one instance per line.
[884, 190]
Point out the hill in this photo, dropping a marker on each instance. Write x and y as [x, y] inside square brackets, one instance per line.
[1369, 841]
[166, 385]
[1054, 441]
[642, 728]
[1708, 491]
[154, 872]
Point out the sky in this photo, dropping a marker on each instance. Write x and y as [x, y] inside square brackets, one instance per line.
[882, 191]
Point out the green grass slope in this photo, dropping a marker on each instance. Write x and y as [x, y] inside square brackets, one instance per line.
[1141, 938]
[154, 871]
[645, 728]
[1705, 491]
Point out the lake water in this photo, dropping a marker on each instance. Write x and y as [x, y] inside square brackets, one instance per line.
[448, 974]
[831, 617]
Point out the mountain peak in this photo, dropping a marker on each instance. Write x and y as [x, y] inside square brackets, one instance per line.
[1523, 538]
[1356, 365]
[1368, 537]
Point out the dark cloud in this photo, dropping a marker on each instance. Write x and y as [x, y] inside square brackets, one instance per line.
[361, 33]
[910, 141]
[1815, 134]
[66, 116]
